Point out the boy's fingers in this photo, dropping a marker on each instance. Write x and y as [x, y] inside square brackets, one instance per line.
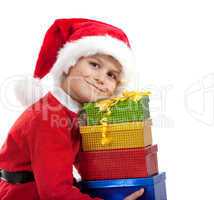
[135, 195]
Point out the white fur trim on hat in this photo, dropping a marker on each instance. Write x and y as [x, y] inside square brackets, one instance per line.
[69, 54]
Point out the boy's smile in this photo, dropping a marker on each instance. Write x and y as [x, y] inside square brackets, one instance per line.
[96, 87]
[92, 78]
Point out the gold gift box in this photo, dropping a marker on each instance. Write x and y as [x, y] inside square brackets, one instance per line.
[120, 135]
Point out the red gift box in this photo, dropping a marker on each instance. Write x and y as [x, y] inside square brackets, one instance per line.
[117, 164]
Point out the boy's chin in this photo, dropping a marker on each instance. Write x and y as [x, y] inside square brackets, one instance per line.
[95, 98]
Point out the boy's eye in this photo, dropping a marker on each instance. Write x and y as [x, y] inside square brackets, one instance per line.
[113, 76]
[94, 64]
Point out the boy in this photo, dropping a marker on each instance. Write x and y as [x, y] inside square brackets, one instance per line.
[87, 60]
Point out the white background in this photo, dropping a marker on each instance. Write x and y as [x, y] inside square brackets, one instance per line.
[174, 46]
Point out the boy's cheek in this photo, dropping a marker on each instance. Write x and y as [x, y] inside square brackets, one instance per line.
[85, 70]
[87, 73]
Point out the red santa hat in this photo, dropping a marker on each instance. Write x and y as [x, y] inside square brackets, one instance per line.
[69, 39]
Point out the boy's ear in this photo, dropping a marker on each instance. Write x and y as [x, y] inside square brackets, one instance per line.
[120, 82]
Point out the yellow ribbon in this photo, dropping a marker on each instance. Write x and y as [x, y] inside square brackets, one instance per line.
[106, 105]
[105, 140]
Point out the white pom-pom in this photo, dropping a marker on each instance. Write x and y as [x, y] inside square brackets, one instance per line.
[28, 90]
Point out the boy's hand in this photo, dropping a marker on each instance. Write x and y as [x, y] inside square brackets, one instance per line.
[135, 195]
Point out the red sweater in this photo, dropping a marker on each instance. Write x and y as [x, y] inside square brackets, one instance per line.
[45, 139]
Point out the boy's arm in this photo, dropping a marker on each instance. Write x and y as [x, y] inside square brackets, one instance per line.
[52, 158]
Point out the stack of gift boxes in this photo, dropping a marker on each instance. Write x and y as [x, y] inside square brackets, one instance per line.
[118, 156]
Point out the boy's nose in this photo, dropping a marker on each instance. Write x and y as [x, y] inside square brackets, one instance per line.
[99, 80]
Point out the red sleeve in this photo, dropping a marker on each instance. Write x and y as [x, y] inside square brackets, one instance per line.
[52, 158]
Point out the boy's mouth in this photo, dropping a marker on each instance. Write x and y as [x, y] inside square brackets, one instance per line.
[97, 88]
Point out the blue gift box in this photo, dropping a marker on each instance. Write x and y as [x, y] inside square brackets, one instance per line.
[118, 189]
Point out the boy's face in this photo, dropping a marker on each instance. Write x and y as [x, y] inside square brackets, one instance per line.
[92, 78]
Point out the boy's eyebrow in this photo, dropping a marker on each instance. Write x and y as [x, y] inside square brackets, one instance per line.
[100, 61]
[116, 71]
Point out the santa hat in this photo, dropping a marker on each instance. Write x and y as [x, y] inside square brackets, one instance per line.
[69, 39]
